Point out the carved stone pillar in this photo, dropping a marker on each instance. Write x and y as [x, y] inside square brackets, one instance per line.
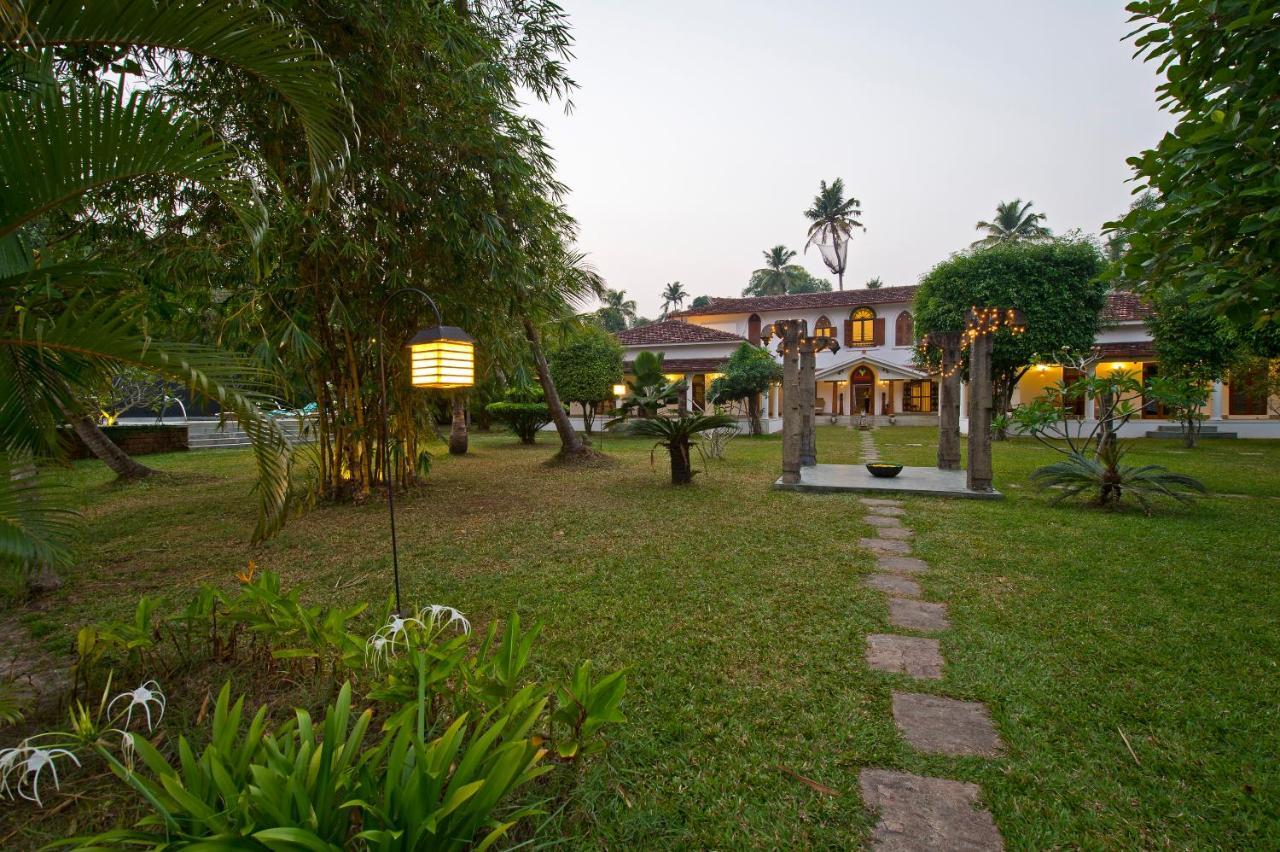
[949, 401]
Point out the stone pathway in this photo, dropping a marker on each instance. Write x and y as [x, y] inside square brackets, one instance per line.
[915, 812]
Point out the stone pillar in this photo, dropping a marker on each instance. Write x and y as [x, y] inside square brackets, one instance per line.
[809, 401]
[950, 392]
[1215, 402]
[791, 401]
[979, 474]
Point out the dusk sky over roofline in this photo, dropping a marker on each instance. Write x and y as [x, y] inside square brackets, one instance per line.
[701, 130]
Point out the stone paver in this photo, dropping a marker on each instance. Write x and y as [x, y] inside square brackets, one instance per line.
[886, 511]
[916, 813]
[907, 655]
[899, 533]
[876, 501]
[918, 615]
[881, 521]
[937, 725]
[900, 564]
[894, 585]
[884, 545]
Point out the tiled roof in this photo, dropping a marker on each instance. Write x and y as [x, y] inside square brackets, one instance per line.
[834, 299]
[674, 331]
[1130, 351]
[690, 365]
[1120, 307]
[1125, 307]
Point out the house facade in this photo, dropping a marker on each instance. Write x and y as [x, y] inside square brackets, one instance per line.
[874, 374]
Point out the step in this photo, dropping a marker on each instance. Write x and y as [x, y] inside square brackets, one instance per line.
[1206, 434]
[1178, 430]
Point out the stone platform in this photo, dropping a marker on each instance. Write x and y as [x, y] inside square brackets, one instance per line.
[913, 480]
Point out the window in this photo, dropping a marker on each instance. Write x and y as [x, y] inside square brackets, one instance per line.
[824, 328]
[862, 327]
[1073, 403]
[753, 329]
[920, 397]
[904, 330]
[1151, 407]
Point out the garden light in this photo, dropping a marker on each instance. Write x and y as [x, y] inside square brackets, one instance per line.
[442, 357]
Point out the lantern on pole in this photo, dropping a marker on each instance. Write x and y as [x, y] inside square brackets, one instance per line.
[442, 357]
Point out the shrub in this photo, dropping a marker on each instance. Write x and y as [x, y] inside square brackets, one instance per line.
[523, 412]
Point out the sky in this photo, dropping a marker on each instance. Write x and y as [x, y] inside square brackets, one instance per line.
[701, 129]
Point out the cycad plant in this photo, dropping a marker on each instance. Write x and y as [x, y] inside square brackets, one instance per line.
[1094, 454]
[677, 435]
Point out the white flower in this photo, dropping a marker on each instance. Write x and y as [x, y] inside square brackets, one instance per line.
[36, 760]
[144, 696]
[377, 650]
[435, 612]
[9, 760]
[397, 627]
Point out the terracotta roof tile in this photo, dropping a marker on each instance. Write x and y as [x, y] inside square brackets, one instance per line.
[834, 299]
[674, 331]
[690, 365]
[1123, 306]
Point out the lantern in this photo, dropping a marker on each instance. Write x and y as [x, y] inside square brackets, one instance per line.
[619, 390]
[443, 357]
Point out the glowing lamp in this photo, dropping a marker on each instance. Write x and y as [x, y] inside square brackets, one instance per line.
[619, 390]
[442, 357]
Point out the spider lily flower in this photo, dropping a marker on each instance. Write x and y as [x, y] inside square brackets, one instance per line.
[144, 696]
[435, 612]
[396, 628]
[377, 650]
[33, 764]
[10, 758]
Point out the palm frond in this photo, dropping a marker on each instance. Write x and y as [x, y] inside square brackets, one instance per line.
[34, 528]
[53, 149]
[44, 365]
[246, 35]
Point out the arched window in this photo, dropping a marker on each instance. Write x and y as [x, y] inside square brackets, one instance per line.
[904, 330]
[824, 328]
[753, 329]
[862, 327]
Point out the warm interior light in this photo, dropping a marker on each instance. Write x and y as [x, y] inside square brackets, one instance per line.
[442, 357]
[619, 390]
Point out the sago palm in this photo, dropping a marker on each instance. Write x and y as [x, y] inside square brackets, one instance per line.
[676, 435]
[1104, 477]
[1014, 221]
[832, 220]
[69, 329]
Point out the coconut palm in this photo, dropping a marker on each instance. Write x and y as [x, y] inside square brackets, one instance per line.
[71, 329]
[617, 311]
[776, 274]
[1014, 221]
[833, 218]
[672, 294]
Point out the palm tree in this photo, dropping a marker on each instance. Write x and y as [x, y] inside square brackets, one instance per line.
[672, 294]
[618, 310]
[775, 276]
[874, 283]
[833, 219]
[71, 328]
[1014, 221]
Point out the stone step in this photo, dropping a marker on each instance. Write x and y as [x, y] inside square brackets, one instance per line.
[918, 812]
[1178, 433]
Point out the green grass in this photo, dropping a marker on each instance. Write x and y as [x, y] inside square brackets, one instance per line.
[741, 612]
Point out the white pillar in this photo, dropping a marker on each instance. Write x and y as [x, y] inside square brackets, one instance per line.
[688, 392]
[964, 400]
[1215, 411]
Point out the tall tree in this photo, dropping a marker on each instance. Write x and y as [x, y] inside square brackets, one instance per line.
[585, 370]
[451, 191]
[1216, 233]
[616, 311]
[773, 276]
[1014, 221]
[798, 280]
[673, 295]
[1055, 284]
[832, 220]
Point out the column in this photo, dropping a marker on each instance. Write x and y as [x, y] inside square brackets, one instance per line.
[792, 398]
[950, 404]
[1215, 402]
[688, 393]
[809, 402]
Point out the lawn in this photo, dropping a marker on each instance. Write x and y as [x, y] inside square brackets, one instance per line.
[741, 614]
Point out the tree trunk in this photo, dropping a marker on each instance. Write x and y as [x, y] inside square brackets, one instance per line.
[102, 447]
[979, 471]
[681, 468]
[458, 428]
[570, 443]
[753, 413]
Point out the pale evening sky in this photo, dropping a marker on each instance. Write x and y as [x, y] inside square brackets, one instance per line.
[701, 129]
